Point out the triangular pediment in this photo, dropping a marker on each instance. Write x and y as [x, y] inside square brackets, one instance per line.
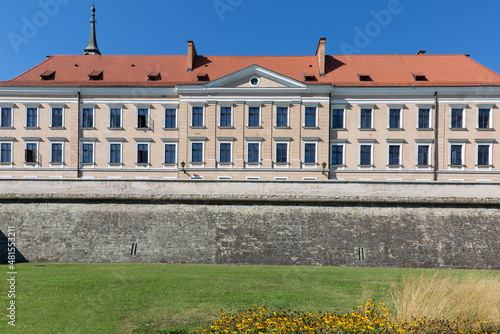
[255, 77]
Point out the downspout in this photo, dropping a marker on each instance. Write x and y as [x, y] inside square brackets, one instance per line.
[436, 122]
[78, 171]
[328, 143]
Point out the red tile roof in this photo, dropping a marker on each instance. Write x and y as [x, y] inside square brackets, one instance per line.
[342, 70]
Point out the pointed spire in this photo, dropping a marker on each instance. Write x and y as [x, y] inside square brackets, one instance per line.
[92, 48]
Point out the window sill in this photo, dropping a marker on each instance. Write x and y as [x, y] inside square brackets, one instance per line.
[282, 164]
[282, 127]
[142, 164]
[57, 128]
[310, 164]
[394, 166]
[87, 164]
[395, 129]
[311, 127]
[425, 129]
[485, 129]
[115, 164]
[197, 127]
[484, 166]
[6, 163]
[32, 128]
[337, 166]
[254, 127]
[225, 164]
[366, 129]
[143, 129]
[7, 128]
[254, 163]
[226, 127]
[170, 164]
[424, 166]
[57, 163]
[116, 129]
[366, 166]
[196, 163]
[456, 166]
[171, 129]
[88, 128]
[458, 129]
[338, 129]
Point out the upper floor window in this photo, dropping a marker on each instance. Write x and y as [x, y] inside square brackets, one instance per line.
[310, 153]
[281, 152]
[56, 152]
[424, 118]
[395, 118]
[254, 116]
[253, 152]
[394, 155]
[225, 118]
[225, 152]
[32, 117]
[338, 119]
[197, 152]
[115, 118]
[5, 152]
[337, 155]
[483, 155]
[423, 152]
[282, 116]
[456, 156]
[57, 118]
[115, 153]
[31, 153]
[6, 118]
[484, 118]
[457, 118]
[197, 118]
[170, 118]
[143, 118]
[170, 153]
[310, 117]
[88, 118]
[87, 153]
[366, 119]
[365, 155]
[143, 153]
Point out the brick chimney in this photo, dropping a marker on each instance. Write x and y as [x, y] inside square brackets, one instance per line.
[191, 55]
[320, 53]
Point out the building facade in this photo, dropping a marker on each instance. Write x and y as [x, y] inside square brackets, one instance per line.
[320, 117]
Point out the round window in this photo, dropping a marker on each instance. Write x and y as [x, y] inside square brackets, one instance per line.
[254, 81]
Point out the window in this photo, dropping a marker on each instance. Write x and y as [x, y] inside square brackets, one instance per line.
[484, 118]
[115, 153]
[56, 150]
[57, 118]
[6, 118]
[424, 118]
[338, 119]
[225, 152]
[197, 152]
[456, 155]
[32, 117]
[170, 154]
[366, 119]
[225, 116]
[423, 155]
[31, 153]
[197, 116]
[6, 152]
[88, 118]
[88, 153]
[142, 118]
[170, 118]
[281, 152]
[115, 118]
[394, 118]
[483, 155]
[253, 152]
[142, 153]
[310, 117]
[337, 155]
[253, 116]
[365, 155]
[281, 116]
[457, 118]
[309, 153]
[394, 155]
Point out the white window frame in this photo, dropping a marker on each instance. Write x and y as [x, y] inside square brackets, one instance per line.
[93, 107]
[137, 143]
[248, 115]
[401, 112]
[87, 142]
[338, 143]
[424, 143]
[176, 153]
[121, 117]
[26, 116]
[344, 115]
[400, 165]
[372, 153]
[276, 106]
[460, 143]
[490, 118]
[310, 164]
[490, 153]
[280, 164]
[52, 107]
[202, 162]
[174, 107]
[464, 118]
[52, 163]
[225, 164]
[220, 115]
[204, 110]
[11, 107]
[372, 118]
[11, 162]
[115, 142]
[148, 119]
[316, 106]
[253, 164]
[37, 142]
[431, 112]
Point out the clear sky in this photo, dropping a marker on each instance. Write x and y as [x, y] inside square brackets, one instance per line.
[32, 29]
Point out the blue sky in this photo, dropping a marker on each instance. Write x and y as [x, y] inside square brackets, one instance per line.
[32, 29]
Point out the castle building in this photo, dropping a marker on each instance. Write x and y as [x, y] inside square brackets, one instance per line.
[317, 117]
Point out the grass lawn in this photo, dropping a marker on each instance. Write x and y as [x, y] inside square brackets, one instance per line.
[147, 298]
